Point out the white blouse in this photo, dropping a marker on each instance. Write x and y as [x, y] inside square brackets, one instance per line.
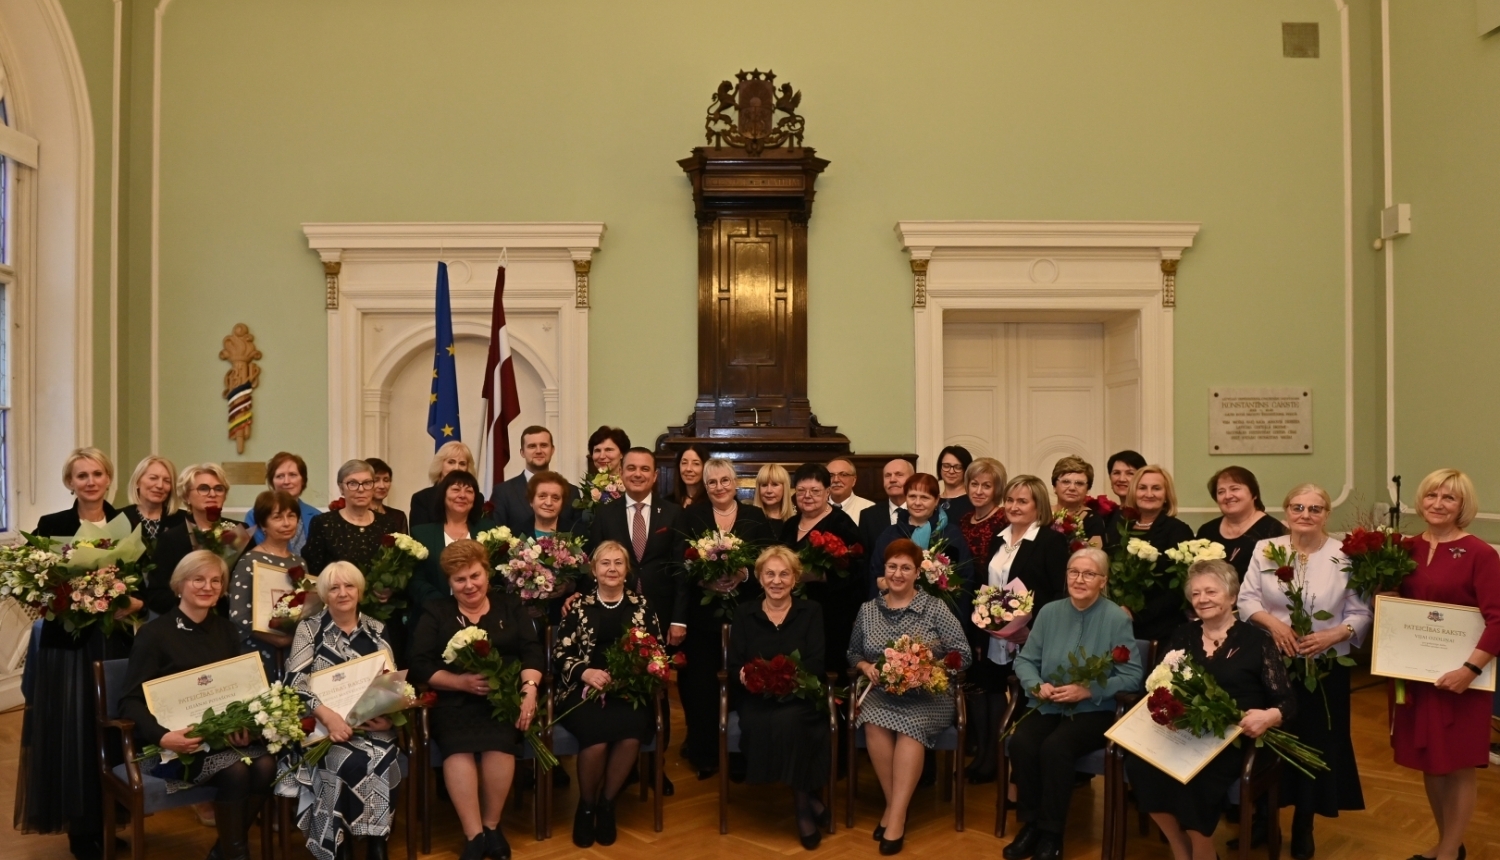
[1000, 651]
[1327, 589]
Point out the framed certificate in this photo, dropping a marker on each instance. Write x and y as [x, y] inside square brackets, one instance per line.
[339, 687]
[268, 584]
[1179, 754]
[1421, 641]
[178, 701]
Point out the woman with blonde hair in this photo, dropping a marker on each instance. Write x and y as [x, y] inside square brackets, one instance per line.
[773, 493]
[425, 503]
[203, 488]
[1443, 730]
[88, 474]
[1149, 514]
[153, 497]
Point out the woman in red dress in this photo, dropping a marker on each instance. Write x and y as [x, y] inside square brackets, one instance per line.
[1443, 729]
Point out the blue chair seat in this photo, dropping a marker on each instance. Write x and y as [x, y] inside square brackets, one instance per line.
[732, 731]
[156, 798]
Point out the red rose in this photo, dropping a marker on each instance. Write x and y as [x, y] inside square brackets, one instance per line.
[953, 661]
[481, 647]
[856, 549]
[679, 659]
[336, 504]
[388, 540]
[61, 598]
[691, 554]
[1130, 513]
[1102, 506]
[427, 699]
[1164, 707]
[1077, 545]
[489, 508]
[1120, 654]
[213, 512]
[296, 571]
[298, 599]
[308, 724]
[1285, 573]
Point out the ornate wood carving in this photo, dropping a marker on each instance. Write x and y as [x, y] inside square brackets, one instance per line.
[919, 282]
[756, 101]
[241, 379]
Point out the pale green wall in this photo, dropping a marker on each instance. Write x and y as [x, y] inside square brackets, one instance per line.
[278, 112]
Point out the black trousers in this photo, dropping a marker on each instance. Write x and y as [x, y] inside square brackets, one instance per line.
[1043, 751]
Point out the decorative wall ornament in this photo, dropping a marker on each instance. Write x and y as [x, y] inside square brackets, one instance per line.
[581, 283]
[1169, 283]
[243, 376]
[331, 284]
[755, 100]
[919, 282]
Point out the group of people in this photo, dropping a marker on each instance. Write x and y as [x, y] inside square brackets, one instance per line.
[1232, 615]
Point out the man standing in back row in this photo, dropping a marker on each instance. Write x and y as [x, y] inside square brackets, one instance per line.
[842, 477]
[878, 517]
[512, 509]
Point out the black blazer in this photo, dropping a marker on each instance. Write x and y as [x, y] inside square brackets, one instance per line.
[513, 511]
[873, 521]
[1041, 564]
[750, 525]
[66, 523]
[1164, 610]
[424, 507]
[658, 573]
[173, 545]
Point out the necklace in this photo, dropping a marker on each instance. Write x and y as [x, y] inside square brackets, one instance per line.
[616, 605]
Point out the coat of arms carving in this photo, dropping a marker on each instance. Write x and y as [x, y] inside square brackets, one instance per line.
[756, 101]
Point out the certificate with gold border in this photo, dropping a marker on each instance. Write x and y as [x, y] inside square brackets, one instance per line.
[268, 584]
[178, 701]
[1177, 753]
[1419, 640]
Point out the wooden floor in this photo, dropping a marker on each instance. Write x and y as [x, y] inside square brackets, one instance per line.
[1395, 825]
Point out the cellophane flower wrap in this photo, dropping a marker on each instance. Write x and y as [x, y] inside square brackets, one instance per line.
[598, 489]
[825, 556]
[784, 678]
[1379, 559]
[718, 561]
[1070, 526]
[299, 603]
[387, 696]
[543, 568]
[1188, 553]
[937, 575]
[471, 651]
[1003, 610]
[276, 716]
[225, 539]
[391, 570]
[1291, 576]
[81, 581]
[907, 664]
[1132, 567]
[638, 666]
[1182, 695]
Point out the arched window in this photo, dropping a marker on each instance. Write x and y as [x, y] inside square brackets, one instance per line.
[17, 154]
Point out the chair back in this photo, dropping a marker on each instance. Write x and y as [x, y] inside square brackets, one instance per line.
[724, 647]
[112, 686]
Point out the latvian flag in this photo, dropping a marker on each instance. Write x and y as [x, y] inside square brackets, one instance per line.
[502, 404]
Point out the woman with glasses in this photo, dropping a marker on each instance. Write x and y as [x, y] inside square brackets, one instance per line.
[1244, 523]
[352, 533]
[1322, 719]
[203, 487]
[953, 462]
[841, 594]
[1072, 478]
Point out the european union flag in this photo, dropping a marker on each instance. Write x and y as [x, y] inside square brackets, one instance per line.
[442, 411]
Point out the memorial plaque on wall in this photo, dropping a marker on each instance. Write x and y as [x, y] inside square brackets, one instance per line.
[1260, 421]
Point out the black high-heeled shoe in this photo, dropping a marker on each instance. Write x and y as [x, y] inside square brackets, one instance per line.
[891, 846]
[583, 825]
[496, 847]
[473, 849]
[879, 833]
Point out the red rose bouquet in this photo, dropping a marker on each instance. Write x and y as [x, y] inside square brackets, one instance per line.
[826, 555]
[1379, 558]
[638, 666]
[1070, 526]
[783, 678]
[389, 573]
[299, 603]
[1100, 506]
[225, 538]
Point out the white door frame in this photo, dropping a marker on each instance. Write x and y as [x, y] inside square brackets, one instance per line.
[1077, 266]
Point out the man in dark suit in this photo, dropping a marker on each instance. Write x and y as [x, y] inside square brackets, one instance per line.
[882, 515]
[511, 508]
[649, 529]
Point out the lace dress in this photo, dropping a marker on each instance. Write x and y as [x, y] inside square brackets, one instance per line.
[1250, 670]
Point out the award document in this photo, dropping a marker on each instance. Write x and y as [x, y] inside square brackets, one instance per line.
[268, 584]
[339, 687]
[1421, 641]
[1179, 754]
[178, 701]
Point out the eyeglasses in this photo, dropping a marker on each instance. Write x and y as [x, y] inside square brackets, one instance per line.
[211, 489]
[809, 491]
[1309, 509]
[951, 467]
[359, 485]
[1084, 575]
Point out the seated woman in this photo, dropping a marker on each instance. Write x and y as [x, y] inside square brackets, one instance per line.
[459, 519]
[782, 741]
[350, 792]
[899, 729]
[479, 752]
[188, 636]
[1071, 717]
[277, 513]
[609, 730]
[1244, 660]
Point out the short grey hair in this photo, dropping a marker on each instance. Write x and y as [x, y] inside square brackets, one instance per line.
[1098, 556]
[1217, 568]
[337, 572]
[354, 467]
[718, 464]
[195, 562]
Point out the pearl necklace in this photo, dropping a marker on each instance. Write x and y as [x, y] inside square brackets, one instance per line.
[616, 605]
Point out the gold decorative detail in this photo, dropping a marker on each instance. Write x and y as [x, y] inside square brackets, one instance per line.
[919, 283]
[746, 183]
[581, 283]
[1169, 283]
[331, 284]
[755, 101]
[243, 377]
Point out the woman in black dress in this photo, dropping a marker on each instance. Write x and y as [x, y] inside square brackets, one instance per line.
[688, 486]
[351, 533]
[1148, 513]
[383, 476]
[785, 742]
[479, 753]
[203, 487]
[953, 467]
[188, 636]
[698, 682]
[425, 502]
[1245, 522]
[773, 495]
[458, 520]
[610, 730]
[842, 595]
[1244, 661]
[58, 784]
[153, 499]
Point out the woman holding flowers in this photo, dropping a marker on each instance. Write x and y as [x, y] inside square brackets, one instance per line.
[185, 637]
[1297, 590]
[1245, 522]
[1072, 478]
[1243, 660]
[1081, 653]
[203, 488]
[1442, 729]
[736, 532]
[279, 518]
[839, 589]
[1148, 515]
[783, 738]
[353, 532]
[900, 728]
[610, 729]
[459, 520]
[479, 751]
[926, 524]
[350, 791]
[153, 499]
[1029, 557]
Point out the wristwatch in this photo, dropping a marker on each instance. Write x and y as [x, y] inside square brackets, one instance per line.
[1350, 628]
[1472, 668]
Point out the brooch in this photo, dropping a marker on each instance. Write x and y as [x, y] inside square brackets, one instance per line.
[1457, 551]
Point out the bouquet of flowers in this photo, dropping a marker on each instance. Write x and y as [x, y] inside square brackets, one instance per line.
[95, 597]
[1291, 573]
[470, 650]
[1100, 506]
[1132, 570]
[1082, 669]
[1182, 695]
[1379, 558]
[276, 716]
[1003, 610]
[597, 489]
[544, 567]
[718, 561]
[908, 665]
[80, 581]
[937, 576]
[783, 678]
[638, 665]
[29, 572]
[1185, 554]
[497, 542]
[225, 538]
[390, 571]
[388, 695]
[826, 555]
[301, 602]
[1070, 526]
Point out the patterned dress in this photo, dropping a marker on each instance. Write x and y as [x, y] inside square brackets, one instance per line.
[242, 605]
[349, 792]
[918, 715]
[583, 637]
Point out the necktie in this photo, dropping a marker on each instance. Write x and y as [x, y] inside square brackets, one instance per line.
[838, 505]
[638, 532]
